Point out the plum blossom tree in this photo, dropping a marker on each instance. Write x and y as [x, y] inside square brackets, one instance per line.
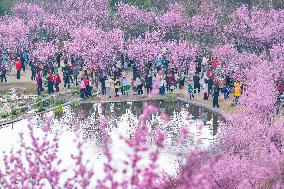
[256, 29]
[43, 52]
[13, 34]
[249, 149]
[94, 45]
[173, 18]
[132, 16]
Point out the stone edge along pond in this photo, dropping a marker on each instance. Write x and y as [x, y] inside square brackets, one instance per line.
[213, 110]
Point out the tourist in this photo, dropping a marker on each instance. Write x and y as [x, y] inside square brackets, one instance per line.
[33, 69]
[135, 71]
[89, 73]
[139, 86]
[83, 88]
[134, 86]
[92, 87]
[57, 82]
[75, 74]
[103, 84]
[170, 82]
[226, 91]
[149, 83]
[163, 86]
[177, 80]
[124, 83]
[71, 68]
[55, 67]
[66, 78]
[39, 84]
[50, 82]
[3, 72]
[24, 59]
[216, 96]
[117, 86]
[87, 86]
[116, 73]
[18, 68]
[108, 86]
[58, 59]
[159, 63]
[182, 80]
[237, 91]
[210, 86]
[190, 91]
[196, 82]
[205, 89]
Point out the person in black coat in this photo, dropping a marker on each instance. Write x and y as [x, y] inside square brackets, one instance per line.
[196, 82]
[3, 72]
[210, 85]
[135, 72]
[58, 58]
[103, 84]
[216, 96]
[34, 70]
[149, 83]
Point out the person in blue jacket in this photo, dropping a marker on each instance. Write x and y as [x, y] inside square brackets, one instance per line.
[190, 91]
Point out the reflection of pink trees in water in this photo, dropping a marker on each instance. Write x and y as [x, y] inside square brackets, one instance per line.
[37, 165]
[119, 119]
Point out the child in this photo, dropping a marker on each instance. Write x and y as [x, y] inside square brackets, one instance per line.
[190, 91]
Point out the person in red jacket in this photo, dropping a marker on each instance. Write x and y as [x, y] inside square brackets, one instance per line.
[18, 68]
[57, 81]
[50, 83]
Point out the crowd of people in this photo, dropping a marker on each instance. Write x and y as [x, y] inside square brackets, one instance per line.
[124, 76]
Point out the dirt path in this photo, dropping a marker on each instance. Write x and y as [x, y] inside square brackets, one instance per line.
[26, 83]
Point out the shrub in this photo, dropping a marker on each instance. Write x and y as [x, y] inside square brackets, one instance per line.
[170, 97]
[59, 102]
[75, 102]
[46, 102]
[14, 111]
[5, 114]
[23, 109]
[25, 91]
[58, 111]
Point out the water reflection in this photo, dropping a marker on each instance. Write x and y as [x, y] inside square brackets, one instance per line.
[122, 119]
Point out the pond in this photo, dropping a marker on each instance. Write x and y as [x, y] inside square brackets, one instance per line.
[122, 120]
[126, 115]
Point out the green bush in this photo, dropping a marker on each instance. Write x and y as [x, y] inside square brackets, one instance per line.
[14, 111]
[40, 109]
[25, 91]
[75, 102]
[23, 109]
[5, 114]
[58, 111]
[170, 97]
[46, 102]
[59, 102]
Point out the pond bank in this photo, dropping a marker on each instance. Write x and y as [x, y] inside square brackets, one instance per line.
[115, 100]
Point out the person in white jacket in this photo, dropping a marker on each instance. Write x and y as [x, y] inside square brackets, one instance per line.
[205, 89]
[108, 83]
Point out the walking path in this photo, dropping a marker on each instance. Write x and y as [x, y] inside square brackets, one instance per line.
[26, 83]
